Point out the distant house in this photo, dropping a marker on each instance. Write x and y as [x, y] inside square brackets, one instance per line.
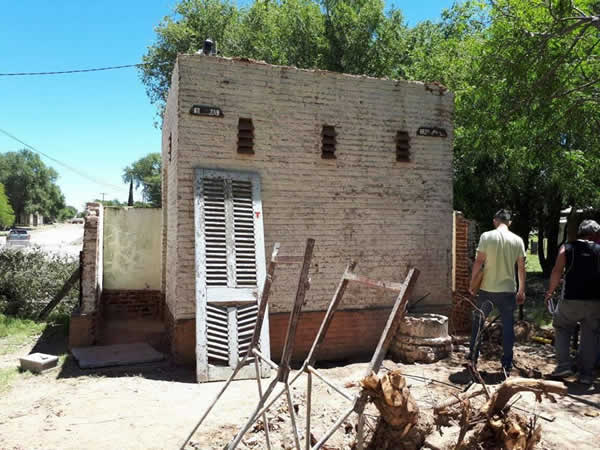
[31, 220]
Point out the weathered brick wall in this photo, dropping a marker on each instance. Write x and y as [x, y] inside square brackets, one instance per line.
[363, 205]
[91, 274]
[465, 243]
[132, 303]
[170, 139]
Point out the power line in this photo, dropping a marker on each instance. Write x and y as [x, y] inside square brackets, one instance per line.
[62, 72]
[72, 169]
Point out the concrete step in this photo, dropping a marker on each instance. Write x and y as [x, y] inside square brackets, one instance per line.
[129, 331]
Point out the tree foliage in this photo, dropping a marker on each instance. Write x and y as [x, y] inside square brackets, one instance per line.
[30, 185]
[146, 173]
[67, 213]
[7, 216]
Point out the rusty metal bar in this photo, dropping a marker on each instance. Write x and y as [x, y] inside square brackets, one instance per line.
[315, 372]
[263, 301]
[333, 428]
[256, 352]
[333, 305]
[260, 394]
[290, 340]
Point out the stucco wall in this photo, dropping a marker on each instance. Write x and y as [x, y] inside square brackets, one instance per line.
[363, 205]
[132, 248]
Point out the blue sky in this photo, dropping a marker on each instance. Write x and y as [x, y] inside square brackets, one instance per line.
[100, 122]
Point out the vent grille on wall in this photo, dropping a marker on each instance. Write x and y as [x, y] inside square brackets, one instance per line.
[246, 319]
[217, 337]
[402, 146]
[215, 231]
[245, 136]
[243, 226]
[328, 142]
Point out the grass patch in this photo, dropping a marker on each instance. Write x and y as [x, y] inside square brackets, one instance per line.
[532, 263]
[6, 377]
[15, 332]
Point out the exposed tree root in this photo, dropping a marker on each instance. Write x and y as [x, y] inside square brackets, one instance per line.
[494, 425]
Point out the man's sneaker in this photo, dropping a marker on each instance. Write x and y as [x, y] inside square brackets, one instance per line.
[586, 379]
[562, 373]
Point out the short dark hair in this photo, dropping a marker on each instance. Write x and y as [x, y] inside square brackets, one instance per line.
[503, 216]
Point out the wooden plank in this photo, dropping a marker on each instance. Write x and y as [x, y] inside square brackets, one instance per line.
[393, 322]
[290, 336]
[333, 305]
[391, 285]
[60, 294]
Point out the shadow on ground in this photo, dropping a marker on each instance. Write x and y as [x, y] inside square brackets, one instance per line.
[53, 341]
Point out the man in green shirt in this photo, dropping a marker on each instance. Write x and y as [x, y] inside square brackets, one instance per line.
[498, 252]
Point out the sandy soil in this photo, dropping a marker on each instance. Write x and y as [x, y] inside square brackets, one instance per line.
[155, 407]
[63, 239]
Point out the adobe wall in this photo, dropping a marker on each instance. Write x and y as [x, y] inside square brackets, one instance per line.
[362, 205]
[132, 248]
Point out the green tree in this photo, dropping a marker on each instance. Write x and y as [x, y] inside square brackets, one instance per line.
[353, 36]
[7, 216]
[67, 213]
[146, 173]
[30, 185]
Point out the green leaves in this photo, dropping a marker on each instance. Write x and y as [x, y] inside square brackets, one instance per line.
[30, 185]
[146, 173]
[7, 215]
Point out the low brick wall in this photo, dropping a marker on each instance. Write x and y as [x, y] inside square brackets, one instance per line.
[132, 303]
[465, 243]
[82, 329]
[352, 334]
[182, 339]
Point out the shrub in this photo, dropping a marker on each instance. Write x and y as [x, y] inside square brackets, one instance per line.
[30, 278]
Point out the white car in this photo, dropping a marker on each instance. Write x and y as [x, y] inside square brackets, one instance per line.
[18, 236]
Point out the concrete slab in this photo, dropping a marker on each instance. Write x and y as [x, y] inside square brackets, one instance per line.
[38, 362]
[115, 355]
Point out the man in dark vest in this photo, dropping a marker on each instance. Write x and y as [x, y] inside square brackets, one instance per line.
[579, 303]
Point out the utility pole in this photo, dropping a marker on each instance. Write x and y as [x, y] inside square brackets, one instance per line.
[102, 194]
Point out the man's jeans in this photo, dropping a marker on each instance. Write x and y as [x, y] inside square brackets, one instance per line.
[564, 320]
[506, 303]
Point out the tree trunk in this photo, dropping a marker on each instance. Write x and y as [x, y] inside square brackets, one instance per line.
[130, 200]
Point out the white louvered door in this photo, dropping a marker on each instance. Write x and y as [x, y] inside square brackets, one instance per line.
[230, 269]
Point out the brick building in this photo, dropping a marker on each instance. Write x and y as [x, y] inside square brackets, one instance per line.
[255, 154]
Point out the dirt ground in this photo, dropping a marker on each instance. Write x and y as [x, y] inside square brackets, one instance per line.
[155, 407]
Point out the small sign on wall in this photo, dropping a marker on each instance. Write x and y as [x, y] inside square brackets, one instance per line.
[206, 110]
[432, 132]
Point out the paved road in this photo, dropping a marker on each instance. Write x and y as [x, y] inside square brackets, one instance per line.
[62, 239]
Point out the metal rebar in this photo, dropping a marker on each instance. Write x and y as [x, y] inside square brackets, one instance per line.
[259, 354]
[257, 412]
[308, 408]
[292, 416]
[260, 394]
[214, 402]
[333, 429]
[315, 372]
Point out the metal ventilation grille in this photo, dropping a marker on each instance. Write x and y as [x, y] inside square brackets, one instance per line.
[328, 142]
[213, 190]
[217, 334]
[402, 146]
[243, 225]
[245, 136]
[246, 319]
